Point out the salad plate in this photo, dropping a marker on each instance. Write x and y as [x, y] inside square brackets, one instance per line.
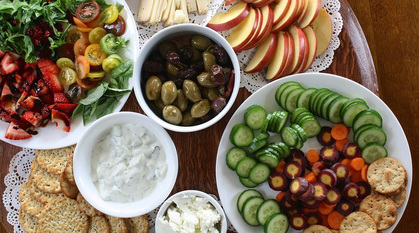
[228, 184]
[49, 137]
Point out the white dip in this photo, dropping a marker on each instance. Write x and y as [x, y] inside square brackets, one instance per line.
[127, 163]
[191, 214]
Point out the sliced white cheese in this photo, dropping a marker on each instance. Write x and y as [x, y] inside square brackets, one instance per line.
[191, 5]
[144, 10]
[179, 17]
[170, 18]
[184, 8]
[167, 9]
[202, 6]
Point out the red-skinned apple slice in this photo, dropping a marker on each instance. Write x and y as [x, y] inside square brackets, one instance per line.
[244, 31]
[255, 35]
[263, 54]
[261, 3]
[313, 8]
[288, 18]
[231, 18]
[266, 23]
[279, 61]
[300, 45]
[303, 10]
[322, 26]
[280, 9]
[312, 47]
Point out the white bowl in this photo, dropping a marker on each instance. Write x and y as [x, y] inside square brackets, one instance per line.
[162, 228]
[172, 31]
[82, 166]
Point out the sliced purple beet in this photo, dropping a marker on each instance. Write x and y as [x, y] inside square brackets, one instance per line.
[325, 137]
[364, 189]
[320, 191]
[314, 218]
[298, 221]
[345, 207]
[327, 177]
[311, 204]
[351, 150]
[278, 181]
[308, 194]
[293, 169]
[298, 186]
[351, 191]
[333, 196]
[341, 170]
[329, 154]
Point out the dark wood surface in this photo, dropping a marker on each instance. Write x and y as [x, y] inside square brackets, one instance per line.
[391, 32]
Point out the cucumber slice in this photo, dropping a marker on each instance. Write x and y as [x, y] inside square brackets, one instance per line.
[276, 223]
[325, 105]
[279, 90]
[249, 210]
[319, 101]
[259, 173]
[360, 129]
[234, 155]
[244, 165]
[256, 145]
[267, 209]
[333, 110]
[284, 95]
[241, 135]
[246, 182]
[303, 115]
[349, 113]
[246, 194]
[269, 159]
[313, 99]
[300, 131]
[291, 99]
[369, 116]
[289, 136]
[302, 101]
[311, 126]
[372, 152]
[296, 113]
[372, 134]
[255, 116]
[281, 119]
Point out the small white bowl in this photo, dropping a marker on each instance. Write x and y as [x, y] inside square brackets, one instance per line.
[162, 228]
[82, 166]
[172, 31]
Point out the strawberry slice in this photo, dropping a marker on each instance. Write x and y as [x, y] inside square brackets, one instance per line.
[50, 72]
[35, 118]
[31, 102]
[53, 83]
[47, 66]
[40, 88]
[6, 92]
[1, 54]
[62, 121]
[66, 108]
[14, 132]
[61, 97]
[9, 63]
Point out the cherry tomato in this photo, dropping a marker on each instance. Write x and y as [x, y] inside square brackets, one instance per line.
[80, 46]
[112, 14]
[96, 34]
[117, 28]
[88, 11]
[85, 30]
[111, 62]
[95, 23]
[86, 83]
[67, 76]
[82, 66]
[66, 50]
[65, 62]
[94, 54]
[73, 35]
[96, 76]
[79, 23]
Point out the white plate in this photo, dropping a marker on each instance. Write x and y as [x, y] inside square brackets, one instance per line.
[228, 184]
[50, 137]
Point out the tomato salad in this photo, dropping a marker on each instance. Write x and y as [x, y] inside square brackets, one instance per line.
[88, 77]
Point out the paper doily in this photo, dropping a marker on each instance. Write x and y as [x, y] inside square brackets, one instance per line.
[253, 82]
[19, 170]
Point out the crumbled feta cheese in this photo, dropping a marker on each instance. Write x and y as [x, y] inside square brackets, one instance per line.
[192, 214]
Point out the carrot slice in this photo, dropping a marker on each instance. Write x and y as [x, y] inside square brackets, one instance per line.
[355, 176]
[334, 219]
[364, 173]
[312, 156]
[357, 164]
[340, 143]
[310, 177]
[339, 132]
[308, 210]
[325, 209]
[279, 196]
[281, 166]
[324, 220]
[346, 162]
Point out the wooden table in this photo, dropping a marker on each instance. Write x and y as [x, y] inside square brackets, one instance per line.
[391, 31]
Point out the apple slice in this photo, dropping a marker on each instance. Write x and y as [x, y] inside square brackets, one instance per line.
[313, 8]
[303, 10]
[266, 23]
[255, 35]
[280, 9]
[261, 3]
[244, 31]
[283, 53]
[288, 18]
[263, 54]
[231, 18]
[312, 49]
[300, 45]
[322, 26]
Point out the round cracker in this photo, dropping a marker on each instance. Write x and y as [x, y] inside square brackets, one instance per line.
[400, 198]
[358, 222]
[85, 206]
[117, 224]
[68, 171]
[381, 208]
[317, 229]
[46, 182]
[62, 213]
[68, 189]
[27, 202]
[99, 224]
[386, 175]
[43, 197]
[138, 224]
[27, 222]
[54, 160]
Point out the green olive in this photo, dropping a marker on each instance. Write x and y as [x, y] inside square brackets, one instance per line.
[204, 79]
[191, 90]
[153, 88]
[159, 104]
[200, 108]
[166, 45]
[172, 114]
[209, 60]
[168, 92]
[200, 42]
[172, 69]
[181, 102]
[210, 93]
[187, 119]
[196, 55]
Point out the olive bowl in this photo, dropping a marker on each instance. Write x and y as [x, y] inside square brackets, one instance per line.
[152, 44]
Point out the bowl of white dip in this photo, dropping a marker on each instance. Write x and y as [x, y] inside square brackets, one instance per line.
[190, 211]
[125, 164]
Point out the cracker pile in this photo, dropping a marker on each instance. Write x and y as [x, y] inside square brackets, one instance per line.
[51, 202]
[378, 211]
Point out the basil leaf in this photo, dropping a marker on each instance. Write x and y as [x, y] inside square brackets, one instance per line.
[119, 7]
[77, 111]
[112, 92]
[125, 69]
[94, 94]
[106, 106]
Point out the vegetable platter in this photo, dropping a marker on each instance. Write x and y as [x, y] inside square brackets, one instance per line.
[49, 136]
[228, 184]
